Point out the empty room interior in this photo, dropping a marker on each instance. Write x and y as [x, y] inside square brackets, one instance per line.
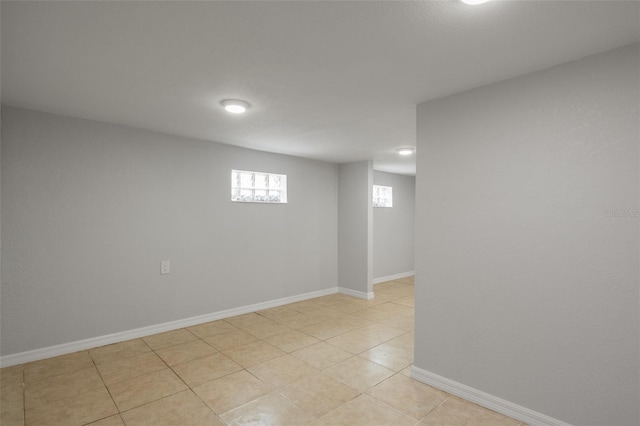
[320, 213]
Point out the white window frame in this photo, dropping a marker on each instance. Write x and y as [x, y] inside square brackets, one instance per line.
[238, 187]
[382, 196]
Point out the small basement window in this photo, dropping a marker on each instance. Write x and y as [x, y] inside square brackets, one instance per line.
[258, 187]
[382, 196]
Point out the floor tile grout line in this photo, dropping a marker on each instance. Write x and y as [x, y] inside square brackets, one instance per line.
[436, 407]
[183, 380]
[318, 418]
[169, 346]
[155, 400]
[189, 387]
[140, 375]
[56, 376]
[95, 365]
[163, 397]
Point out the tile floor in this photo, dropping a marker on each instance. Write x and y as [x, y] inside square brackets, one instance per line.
[333, 360]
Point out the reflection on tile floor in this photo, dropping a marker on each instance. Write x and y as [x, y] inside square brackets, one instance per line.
[333, 360]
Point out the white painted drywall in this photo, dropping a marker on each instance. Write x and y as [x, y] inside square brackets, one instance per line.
[355, 227]
[525, 288]
[393, 228]
[90, 209]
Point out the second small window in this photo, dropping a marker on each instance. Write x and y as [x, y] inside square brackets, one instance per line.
[382, 196]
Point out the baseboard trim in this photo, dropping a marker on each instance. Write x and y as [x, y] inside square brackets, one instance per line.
[356, 293]
[80, 345]
[484, 399]
[393, 277]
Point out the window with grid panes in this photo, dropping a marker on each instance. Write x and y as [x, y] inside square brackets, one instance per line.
[382, 196]
[258, 187]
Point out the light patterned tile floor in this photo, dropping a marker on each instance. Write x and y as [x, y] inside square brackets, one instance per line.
[333, 360]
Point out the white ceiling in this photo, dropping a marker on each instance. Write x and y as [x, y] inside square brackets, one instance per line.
[331, 80]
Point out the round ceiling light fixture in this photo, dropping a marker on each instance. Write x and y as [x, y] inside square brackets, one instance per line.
[406, 150]
[474, 2]
[235, 106]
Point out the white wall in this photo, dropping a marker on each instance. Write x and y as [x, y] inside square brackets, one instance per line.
[393, 228]
[90, 209]
[355, 228]
[525, 288]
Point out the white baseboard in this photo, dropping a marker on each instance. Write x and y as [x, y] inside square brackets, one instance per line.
[484, 399]
[80, 345]
[393, 277]
[356, 293]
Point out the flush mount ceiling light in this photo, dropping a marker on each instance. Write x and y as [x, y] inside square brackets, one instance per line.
[406, 150]
[235, 106]
[474, 2]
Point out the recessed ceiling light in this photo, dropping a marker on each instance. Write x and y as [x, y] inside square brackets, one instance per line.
[406, 150]
[474, 2]
[235, 106]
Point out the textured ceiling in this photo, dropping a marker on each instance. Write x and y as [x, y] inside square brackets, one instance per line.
[334, 81]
